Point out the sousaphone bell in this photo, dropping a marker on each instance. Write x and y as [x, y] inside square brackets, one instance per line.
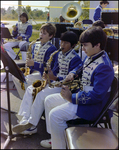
[71, 11]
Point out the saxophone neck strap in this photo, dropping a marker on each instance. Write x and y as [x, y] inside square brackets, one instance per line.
[96, 57]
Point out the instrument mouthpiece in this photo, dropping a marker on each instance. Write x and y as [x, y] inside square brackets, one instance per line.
[38, 39]
[62, 49]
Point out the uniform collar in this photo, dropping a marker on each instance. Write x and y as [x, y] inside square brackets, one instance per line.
[96, 55]
[100, 6]
[65, 54]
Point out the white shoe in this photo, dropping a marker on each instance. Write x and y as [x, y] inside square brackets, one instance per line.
[24, 120]
[46, 143]
[21, 127]
[30, 131]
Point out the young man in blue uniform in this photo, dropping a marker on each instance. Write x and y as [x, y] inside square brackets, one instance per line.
[98, 10]
[88, 101]
[41, 52]
[21, 32]
[62, 63]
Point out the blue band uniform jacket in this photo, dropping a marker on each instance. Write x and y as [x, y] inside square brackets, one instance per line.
[62, 64]
[96, 81]
[41, 54]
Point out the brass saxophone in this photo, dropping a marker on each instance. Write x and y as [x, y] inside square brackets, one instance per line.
[26, 70]
[41, 84]
[73, 85]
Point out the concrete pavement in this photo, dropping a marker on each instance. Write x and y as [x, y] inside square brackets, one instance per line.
[28, 142]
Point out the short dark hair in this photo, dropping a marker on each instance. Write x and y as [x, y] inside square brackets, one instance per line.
[61, 18]
[69, 36]
[24, 15]
[50, 28]
[104, 2]
[94, 35]
[99, 23]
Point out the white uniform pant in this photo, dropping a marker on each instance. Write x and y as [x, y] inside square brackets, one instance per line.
[34, 110]
[29, 81]
[8, 47]
[57, 112]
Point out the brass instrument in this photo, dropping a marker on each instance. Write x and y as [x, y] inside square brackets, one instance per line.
[38, 86]
[73, 85]
[26, 70]
[41, 84]
[108, 31]
[71, 11]
[78, 25]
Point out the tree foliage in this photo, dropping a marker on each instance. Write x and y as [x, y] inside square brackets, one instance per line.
[85, 12]
[12, 14]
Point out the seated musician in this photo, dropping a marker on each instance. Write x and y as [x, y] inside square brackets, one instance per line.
[41, 52]
[61, 64]
[88, 101]
[21, 32]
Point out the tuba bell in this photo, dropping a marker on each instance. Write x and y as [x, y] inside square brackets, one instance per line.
[71, 11]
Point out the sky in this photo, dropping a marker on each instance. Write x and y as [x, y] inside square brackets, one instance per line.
[34, 4]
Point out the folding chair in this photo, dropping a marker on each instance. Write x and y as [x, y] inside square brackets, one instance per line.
[91, 138]
[104, 116]
[24, 48]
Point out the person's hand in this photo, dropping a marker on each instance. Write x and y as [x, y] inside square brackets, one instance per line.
[66, 93]
[44, 76]
[15, 28]
[51, 75]
[19, 37]
[69, 77]
[29, 62]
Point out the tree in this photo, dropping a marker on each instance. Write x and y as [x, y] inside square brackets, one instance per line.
[28, 8]
[3, 11]
[13, 12]
[85, 12]
[9, 10]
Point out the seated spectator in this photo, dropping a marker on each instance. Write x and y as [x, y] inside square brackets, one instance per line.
[21, 33]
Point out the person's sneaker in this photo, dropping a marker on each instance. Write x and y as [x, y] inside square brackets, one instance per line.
[46, 143]
[30, 131]
[24, 120]
[21, 127]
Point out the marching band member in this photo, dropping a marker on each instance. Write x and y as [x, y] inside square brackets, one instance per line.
[98, 10]
[62, 63]
[22, 32]
[87, 102]
[40, 53]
